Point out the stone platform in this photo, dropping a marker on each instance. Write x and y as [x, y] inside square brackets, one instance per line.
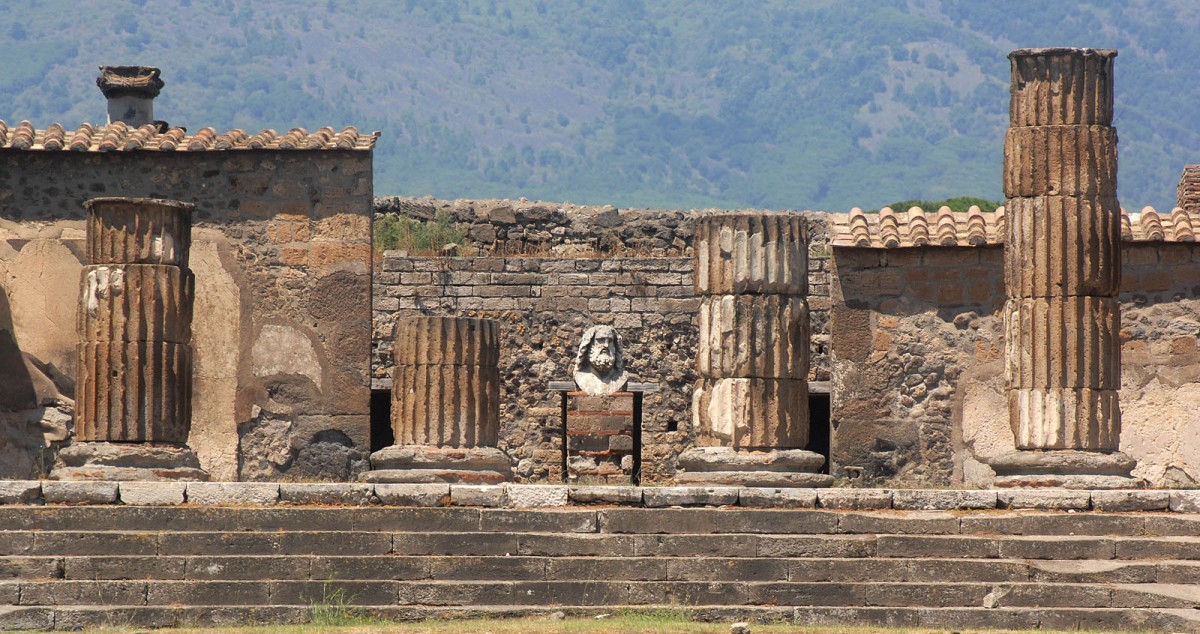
[270, 552]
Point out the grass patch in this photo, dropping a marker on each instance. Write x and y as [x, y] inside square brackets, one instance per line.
[415, 236]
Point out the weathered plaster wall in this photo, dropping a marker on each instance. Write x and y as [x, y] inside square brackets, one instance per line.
[281, 252]
[918, 385]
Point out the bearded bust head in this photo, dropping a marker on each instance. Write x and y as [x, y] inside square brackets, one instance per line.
[599, 363]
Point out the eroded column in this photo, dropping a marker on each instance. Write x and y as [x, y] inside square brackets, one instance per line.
[445, 404]
[134, 381]
[750, 404]
[1063, 273]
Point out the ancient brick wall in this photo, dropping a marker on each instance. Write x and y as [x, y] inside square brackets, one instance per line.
[544, 305]
[917, 363]
[281, 253]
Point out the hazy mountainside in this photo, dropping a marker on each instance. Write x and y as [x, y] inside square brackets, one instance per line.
[772, 103]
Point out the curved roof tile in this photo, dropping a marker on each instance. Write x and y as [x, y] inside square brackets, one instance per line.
[118, 137]
[890, 230]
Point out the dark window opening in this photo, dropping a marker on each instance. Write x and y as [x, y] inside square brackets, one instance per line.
[381, 420]
[818, 426]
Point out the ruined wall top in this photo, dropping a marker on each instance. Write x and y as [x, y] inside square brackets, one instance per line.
[119, 137]
[916, 227]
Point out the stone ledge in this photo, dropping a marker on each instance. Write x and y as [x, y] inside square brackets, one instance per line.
[33, 492]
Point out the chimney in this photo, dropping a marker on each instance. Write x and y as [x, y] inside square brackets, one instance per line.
[130, 91]
[1189, 189]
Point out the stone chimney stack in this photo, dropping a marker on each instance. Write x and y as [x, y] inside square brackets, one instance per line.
[130, 91]
[1189, 189]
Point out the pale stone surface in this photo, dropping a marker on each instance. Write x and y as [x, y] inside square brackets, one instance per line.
[340, 494]
[536, 495]
[475, 495]
[1185, 501]
[127, 461]
[1068, 246]
[413, 494]
[233, 493]
[689, 496]
[751, 413]
[1065, 462]
[854, 499]
[1060, 86]
[435, 475]
[1120, 501]
[750, 478]
[585, 494]
[763, 336]
[939, 500]
[1068, 481]
[431, 457]
[152, 493]
[19, 491]
[1053, 500]
[216, 356]
[731, 459]
[599, 367]
[446, 341]
[758, 252]
[55, 492]
[777, 497]
[283, 349]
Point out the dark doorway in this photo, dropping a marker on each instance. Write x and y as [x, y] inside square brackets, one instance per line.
[381, 420]
[818, 426]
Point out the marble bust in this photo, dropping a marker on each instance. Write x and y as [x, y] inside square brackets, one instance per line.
[600, 364]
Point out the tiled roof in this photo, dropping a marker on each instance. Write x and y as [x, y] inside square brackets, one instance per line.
[118, 137]
[917, 228]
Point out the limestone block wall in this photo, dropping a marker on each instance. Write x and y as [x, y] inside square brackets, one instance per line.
[918, 363]
[281, 334]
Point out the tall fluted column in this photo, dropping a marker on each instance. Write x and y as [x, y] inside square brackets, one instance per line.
[1062, 272]
[133, 393]
[750, 404]
[445, 404]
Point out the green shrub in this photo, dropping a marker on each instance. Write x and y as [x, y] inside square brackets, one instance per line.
[960, 203]
[415, 236]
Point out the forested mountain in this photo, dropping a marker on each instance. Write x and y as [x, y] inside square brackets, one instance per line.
[766, 103]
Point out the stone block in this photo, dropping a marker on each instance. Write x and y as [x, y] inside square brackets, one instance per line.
[136, 302]
[1060, 161]
[1056, 547]
[152, 493]
[942, 500]
[607, 568]
[114, 402]
[20, 491]
[751, 413]
[1070, 342]
[900, 523]
[520, 521]
[1058, 246]
[705, 521]
[536, 495]
[1047, 500]
[817, 546]
[778, 497]
[579, 494]
[475, 495]
[577, 545]
[689, 496]
[855, 499]
[753, 336]
[413, 494]
[1185, 501]
[474, 543]
[761, 253]
[337, 494]
[1060, 86]
[233, 493]
[1130, 500]
[937, 546]
[99, 492]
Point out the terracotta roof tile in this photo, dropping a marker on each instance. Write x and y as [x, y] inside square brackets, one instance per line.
[917, 228]
[118, 137]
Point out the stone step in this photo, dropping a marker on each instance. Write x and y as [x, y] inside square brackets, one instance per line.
[651, 568]
[79, 617]
[492, 592]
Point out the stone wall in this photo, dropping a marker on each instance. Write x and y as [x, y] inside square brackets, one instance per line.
[281, 252]
[918, 386]
[544, 305]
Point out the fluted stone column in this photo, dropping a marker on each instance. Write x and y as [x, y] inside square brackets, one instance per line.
[750, 404]
[445, 404]
[1063, 273]
[133, 390]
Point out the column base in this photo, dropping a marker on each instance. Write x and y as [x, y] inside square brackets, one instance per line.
[1064, 469]
[127, 461]
[424, 464]
[726, 466]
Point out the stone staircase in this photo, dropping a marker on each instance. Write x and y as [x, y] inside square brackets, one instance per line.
[71, 567]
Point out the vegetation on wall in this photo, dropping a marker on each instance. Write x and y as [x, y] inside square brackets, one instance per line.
[774, 103]
[417, 237]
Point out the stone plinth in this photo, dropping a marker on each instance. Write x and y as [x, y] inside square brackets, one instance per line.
[1063, 271]
[134, 381]
[757, 253]
[753, 336]
[727, 466]
[1065, 469]
[445, 404]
